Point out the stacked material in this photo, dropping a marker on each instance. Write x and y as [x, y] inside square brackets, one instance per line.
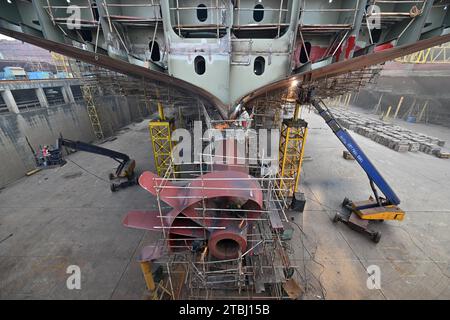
[388, 134]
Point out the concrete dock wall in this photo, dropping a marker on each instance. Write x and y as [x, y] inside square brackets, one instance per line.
[418, 84]
[43, 126]
[436, 112]
[116, 112]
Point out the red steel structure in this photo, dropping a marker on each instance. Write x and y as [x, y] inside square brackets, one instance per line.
[196, 219]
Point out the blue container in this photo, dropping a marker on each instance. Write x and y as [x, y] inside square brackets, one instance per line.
[14, 73]
[9, 75]
[62, 75]
[36, 75]
[411, 119]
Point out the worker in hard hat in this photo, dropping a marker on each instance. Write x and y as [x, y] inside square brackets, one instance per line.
[45, 155]
[245, 118]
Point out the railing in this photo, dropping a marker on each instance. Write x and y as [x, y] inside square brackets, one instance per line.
[218, 27]
[133, 20]
[413, 12]
[327, 27]
[258, 26]
[28, 105]
[139, 21]
[55, 102]
[57, 20]
[387, 18]
[391, 17]
[94, 20]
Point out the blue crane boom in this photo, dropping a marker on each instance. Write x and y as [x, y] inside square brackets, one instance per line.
[351, 145]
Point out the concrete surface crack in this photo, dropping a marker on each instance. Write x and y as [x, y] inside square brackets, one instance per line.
[126, 267]
[7, 237]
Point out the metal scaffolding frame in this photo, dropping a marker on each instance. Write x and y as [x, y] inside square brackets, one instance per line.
[268, 109]
[89, 88]
[88, 95]
[350, 82]
[190, 274]
[292, 145]
[149, 94]
[161, 137]
[216, 6]
[62, 64]
[435, 55]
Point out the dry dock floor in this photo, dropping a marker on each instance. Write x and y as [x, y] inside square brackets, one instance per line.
[66, 216]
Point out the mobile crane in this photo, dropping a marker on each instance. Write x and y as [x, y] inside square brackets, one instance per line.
[125, 169]
[376, 208]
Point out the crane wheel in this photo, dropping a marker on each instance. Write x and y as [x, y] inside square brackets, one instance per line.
[376, 237]
[336, 218]
[345, 202]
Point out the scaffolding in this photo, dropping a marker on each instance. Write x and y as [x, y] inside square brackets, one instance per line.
[263, 271]
[160, 134]
[292, 145]
[269, 109]
[89, 89]
[88, 95]
[35, 65]
[351, 81]
[149, 93]
[62, 65]
[435, 55]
